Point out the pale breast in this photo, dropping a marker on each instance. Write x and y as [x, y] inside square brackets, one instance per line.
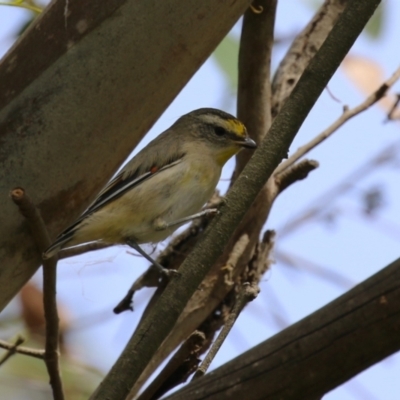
[172, 194]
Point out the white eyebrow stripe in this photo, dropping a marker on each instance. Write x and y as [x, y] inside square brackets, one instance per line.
[231, 125]
[213, 119]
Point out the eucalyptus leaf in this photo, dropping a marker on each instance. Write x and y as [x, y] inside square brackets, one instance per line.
[375, 24]
[226, 55]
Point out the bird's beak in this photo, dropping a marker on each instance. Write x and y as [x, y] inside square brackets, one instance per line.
[247, 143]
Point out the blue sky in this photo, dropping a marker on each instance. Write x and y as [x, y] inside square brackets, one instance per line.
[351, 244]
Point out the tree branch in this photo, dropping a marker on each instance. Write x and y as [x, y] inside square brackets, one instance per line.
[295, 173]
[12, 348]
[246, 294]
[42, 238]
[318, 353]
[347, 114]
[162, 318]
[254, 80]
[302, 50]
[78, 250]
[16, 348]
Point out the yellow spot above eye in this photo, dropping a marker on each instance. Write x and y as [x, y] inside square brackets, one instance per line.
[237, 127]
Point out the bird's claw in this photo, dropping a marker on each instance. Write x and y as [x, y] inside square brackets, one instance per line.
[170, 273]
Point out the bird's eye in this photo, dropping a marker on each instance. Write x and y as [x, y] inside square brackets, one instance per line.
[219, 130]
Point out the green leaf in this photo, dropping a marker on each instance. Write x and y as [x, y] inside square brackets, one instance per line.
[375, 24]
[226, 55]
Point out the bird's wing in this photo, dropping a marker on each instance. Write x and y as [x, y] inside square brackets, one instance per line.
[116, 188]
[150, 161]
[122, 183]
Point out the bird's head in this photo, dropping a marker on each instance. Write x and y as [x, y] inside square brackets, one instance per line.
[222, 133]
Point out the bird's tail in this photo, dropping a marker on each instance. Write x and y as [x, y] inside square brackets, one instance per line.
[57, 245]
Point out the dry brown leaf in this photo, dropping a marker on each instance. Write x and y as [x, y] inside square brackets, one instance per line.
[368, 75]
[33, 313]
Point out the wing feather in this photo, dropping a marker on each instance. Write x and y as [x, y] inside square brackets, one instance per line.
[150, 161]
[139, 169]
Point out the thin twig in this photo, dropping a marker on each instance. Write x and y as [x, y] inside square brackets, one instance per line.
[22, 350]
[246, 294]
[262, 259]
[150, 278]
[76, 251]
[347, 114]
[295, 173]
[234, 257]
[390, 116]
[42, 238]
[12, 349]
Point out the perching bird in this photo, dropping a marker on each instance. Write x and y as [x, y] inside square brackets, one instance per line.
[165, 185]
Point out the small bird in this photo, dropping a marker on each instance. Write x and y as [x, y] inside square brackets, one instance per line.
[164, 186]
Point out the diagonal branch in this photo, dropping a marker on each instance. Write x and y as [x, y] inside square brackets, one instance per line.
[317, 354]
[246, 294]
[162, 318]
[254, 98]
[303, 49]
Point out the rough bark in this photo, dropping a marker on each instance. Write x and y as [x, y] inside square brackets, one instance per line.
[303, 49]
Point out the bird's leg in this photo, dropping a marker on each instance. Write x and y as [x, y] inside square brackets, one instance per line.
[160, 225]
[165, 271]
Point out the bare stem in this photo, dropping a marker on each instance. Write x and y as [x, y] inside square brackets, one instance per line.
[295, 173]
[246, 294]
[16, 348]
[42, 238]
[76, 251]
[391, 114]
[347, 114]
[254, 85]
